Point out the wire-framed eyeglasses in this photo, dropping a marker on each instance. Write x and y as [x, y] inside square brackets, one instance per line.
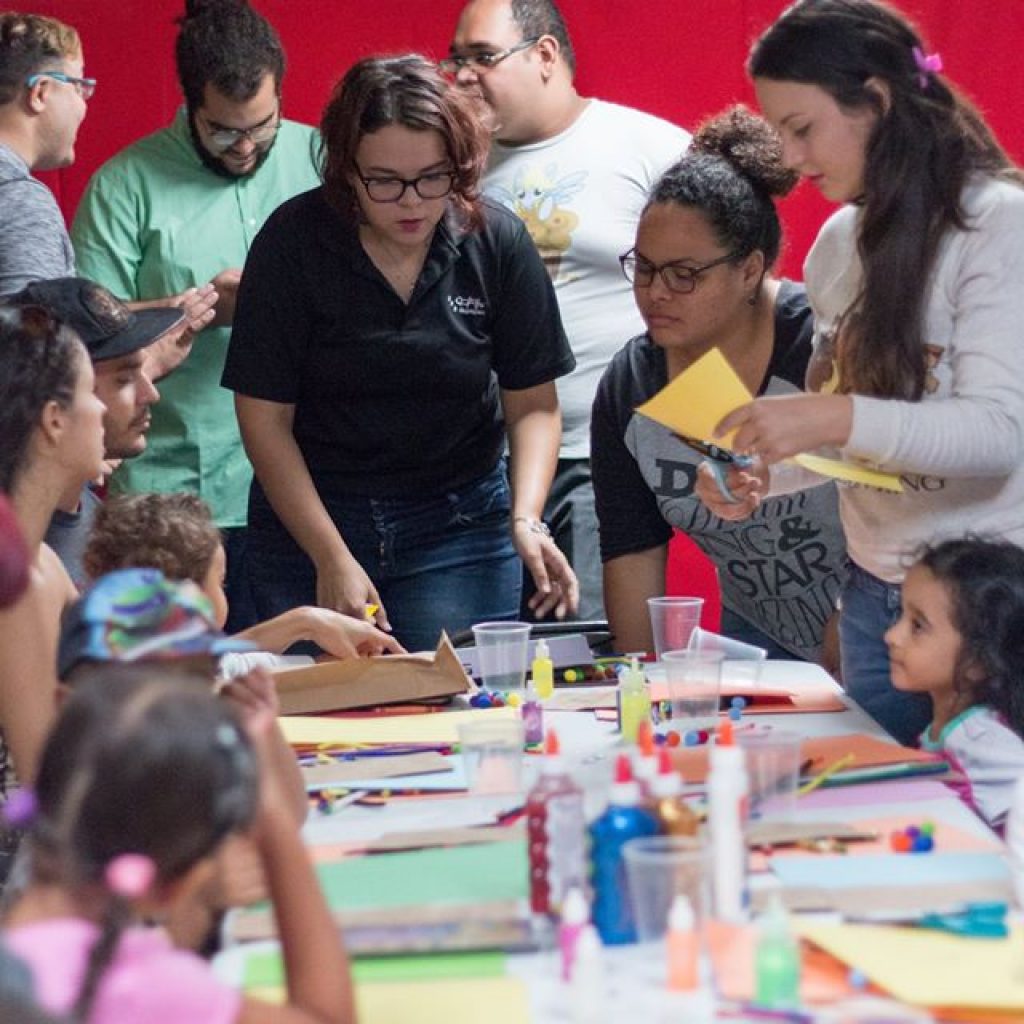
[455, 62]
[677, 276]
[223, 139]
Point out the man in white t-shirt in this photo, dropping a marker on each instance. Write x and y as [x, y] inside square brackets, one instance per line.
[577, 171]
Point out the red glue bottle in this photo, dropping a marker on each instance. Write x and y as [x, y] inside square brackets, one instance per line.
[556, 834]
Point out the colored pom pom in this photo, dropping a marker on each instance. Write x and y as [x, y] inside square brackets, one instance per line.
[739, 702]
[691, 739]
[735, 714]
[672, 738]
[571, 675]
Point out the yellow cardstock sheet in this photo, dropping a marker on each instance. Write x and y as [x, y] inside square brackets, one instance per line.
[441, 727]
[706, 392]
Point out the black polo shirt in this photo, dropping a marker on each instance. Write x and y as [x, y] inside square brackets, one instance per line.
[393, 399]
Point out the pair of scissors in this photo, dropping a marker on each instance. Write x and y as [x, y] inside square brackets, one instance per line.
[976, 920]
[719, 461]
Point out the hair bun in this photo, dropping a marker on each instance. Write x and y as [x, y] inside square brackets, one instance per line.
[750, 144]
[199, 8]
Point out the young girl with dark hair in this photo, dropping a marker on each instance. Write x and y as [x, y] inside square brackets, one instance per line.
[393, 330]
[960, 640]
[702, 273]
[139, 787]
[917, 286]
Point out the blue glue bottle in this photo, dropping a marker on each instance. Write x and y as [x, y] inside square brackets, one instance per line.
[623, 819]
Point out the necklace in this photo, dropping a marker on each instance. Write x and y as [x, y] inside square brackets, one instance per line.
[400, 268]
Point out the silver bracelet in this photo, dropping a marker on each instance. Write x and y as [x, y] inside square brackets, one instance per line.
[535, 525]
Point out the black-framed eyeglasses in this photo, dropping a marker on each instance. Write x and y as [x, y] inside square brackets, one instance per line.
[435, 185]
[455, 62]
[678, 277]
[84, 86]
[223, 139]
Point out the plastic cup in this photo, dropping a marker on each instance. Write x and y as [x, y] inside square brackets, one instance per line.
[658, 868]
[673, 619]
[742, 662]
[503, 653]
[773, 770]
[492, 755]
[694, 685]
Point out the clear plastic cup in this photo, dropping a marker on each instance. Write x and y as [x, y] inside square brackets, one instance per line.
[658, 868]
[503, 653]
[673, 619]
[742, 662]
[693, 679]
[773, 769]
[492, 755]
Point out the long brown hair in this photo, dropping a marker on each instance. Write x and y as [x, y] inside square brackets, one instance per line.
[926, 143]
[409, 91]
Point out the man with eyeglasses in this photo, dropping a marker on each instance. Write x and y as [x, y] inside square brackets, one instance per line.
[42, 104]
[577, 171]
[181, 207]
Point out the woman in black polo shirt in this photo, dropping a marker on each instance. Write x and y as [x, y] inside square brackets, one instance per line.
[393, 330]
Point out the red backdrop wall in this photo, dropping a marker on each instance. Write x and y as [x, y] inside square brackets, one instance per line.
[682, 60]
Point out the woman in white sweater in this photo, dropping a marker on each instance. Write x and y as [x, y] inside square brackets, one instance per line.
[917, 287]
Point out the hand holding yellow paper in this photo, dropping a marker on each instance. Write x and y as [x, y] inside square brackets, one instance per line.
[706, 392]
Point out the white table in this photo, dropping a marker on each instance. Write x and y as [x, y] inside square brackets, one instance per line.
[634, 974]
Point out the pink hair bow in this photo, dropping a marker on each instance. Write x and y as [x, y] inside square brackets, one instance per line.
[926, 63]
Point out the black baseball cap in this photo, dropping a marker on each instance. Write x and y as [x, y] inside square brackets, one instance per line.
[107, 327]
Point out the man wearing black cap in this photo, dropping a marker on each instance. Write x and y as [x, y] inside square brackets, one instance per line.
[117, 339]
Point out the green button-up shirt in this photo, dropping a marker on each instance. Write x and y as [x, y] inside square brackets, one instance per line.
[153, 222]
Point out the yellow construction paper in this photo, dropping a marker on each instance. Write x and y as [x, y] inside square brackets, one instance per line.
[465, 1000]
[706, 392]
[928, 967]
[441, 727]
[850, 471]
[699, 399]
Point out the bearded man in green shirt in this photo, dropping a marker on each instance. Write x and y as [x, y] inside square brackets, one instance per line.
[179, 209]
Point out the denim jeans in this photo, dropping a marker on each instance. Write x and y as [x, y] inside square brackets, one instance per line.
[442, 561]
[869, 606]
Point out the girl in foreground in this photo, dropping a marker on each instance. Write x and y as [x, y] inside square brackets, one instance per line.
[139, 787]
[917, 287]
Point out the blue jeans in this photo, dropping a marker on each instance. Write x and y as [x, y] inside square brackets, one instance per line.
[438, 562]
[869, 606]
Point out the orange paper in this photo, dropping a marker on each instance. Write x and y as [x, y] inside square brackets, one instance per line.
[820, 751]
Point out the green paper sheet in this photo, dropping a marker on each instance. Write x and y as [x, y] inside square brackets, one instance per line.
[477, 873]
[265, 969]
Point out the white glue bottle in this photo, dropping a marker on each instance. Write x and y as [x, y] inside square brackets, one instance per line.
[728, 790]
[588, 991]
